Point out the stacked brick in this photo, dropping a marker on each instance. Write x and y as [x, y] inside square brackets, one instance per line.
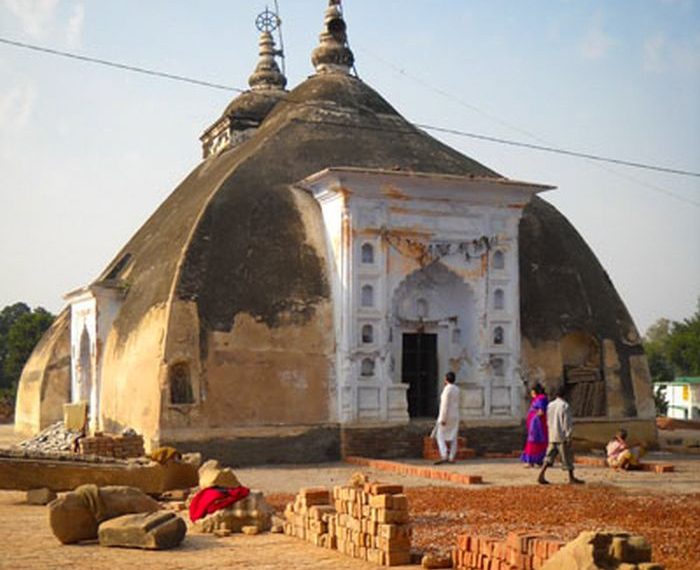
[118, 446]
[309, 517]
[368, 521]
[601, 462]
[416, 470]
[431, 451]
[520, 551]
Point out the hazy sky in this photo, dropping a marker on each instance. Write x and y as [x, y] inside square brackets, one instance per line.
[87, 152]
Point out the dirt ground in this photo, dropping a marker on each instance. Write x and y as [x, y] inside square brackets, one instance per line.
[664, 508]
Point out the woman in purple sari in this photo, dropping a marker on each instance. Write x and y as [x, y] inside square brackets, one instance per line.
[536, 423]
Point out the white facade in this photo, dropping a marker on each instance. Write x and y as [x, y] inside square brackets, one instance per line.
[92, 312]
[683, 399]
[424, 281]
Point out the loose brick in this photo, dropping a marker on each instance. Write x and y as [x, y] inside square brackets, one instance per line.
[386, 489]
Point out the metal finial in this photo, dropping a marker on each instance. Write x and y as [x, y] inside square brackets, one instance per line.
[333, 55]
[267, 21]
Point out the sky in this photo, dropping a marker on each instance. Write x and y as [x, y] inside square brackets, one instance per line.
[87, 152]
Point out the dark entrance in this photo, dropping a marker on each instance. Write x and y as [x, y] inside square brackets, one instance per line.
[419, 371]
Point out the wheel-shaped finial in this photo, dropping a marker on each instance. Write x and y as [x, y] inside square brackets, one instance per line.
[267, 21]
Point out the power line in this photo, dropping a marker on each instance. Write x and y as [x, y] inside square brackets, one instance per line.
[447, 95]
[561, 151]
[123, 66]
[457, 132]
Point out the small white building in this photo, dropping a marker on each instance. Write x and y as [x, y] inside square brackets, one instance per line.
[683, 396]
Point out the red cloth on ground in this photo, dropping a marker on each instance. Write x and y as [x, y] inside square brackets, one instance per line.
[212, 499]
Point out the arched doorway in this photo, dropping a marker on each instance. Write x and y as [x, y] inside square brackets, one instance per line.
[434, 318]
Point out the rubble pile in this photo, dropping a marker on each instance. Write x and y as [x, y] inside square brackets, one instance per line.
[250, 514]
[58, 440]
[54, 439]
[253, 511]
[363, 520]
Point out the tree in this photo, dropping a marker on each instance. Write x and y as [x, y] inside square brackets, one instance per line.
[656, 347]
[20, 331]
[673, 348]
[8, 316]
[684, 346]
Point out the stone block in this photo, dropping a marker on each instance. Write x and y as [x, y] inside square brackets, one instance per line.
[152, 531]
[211, 474]
[76, 516]
[591, 550]
[41, 496]
[75, 415]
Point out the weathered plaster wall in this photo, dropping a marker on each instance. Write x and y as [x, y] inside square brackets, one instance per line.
[132, 367]
[261, 370]
[566, 290]
[595, 434]
[544, 362]
[261, 375]
[45, 382]
[643, 391]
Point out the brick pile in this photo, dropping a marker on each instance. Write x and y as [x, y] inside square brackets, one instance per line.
[431, 451]
[309, 517]
[643, 466]
[416, 470]
[520, 551]
[118, 446]
[363, 520]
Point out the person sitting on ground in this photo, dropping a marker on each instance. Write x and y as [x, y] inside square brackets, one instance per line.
[620, 455]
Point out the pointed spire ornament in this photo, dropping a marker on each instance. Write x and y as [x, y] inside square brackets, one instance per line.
[267, 74]
[333, 55]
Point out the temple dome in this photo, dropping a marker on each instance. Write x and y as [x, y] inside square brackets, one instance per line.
[229, 276]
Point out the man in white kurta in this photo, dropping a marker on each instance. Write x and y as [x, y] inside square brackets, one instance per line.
[448, 420]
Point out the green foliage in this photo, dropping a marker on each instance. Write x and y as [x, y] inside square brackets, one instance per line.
[20, 330]
[656, 348]
[684, 346]
[7, 318]
[673, 348]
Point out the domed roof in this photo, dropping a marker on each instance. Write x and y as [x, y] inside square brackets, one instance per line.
[232, 237]
[253, 105]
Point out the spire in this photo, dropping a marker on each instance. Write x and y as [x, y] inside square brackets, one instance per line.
[267, 74]
[333, 55]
